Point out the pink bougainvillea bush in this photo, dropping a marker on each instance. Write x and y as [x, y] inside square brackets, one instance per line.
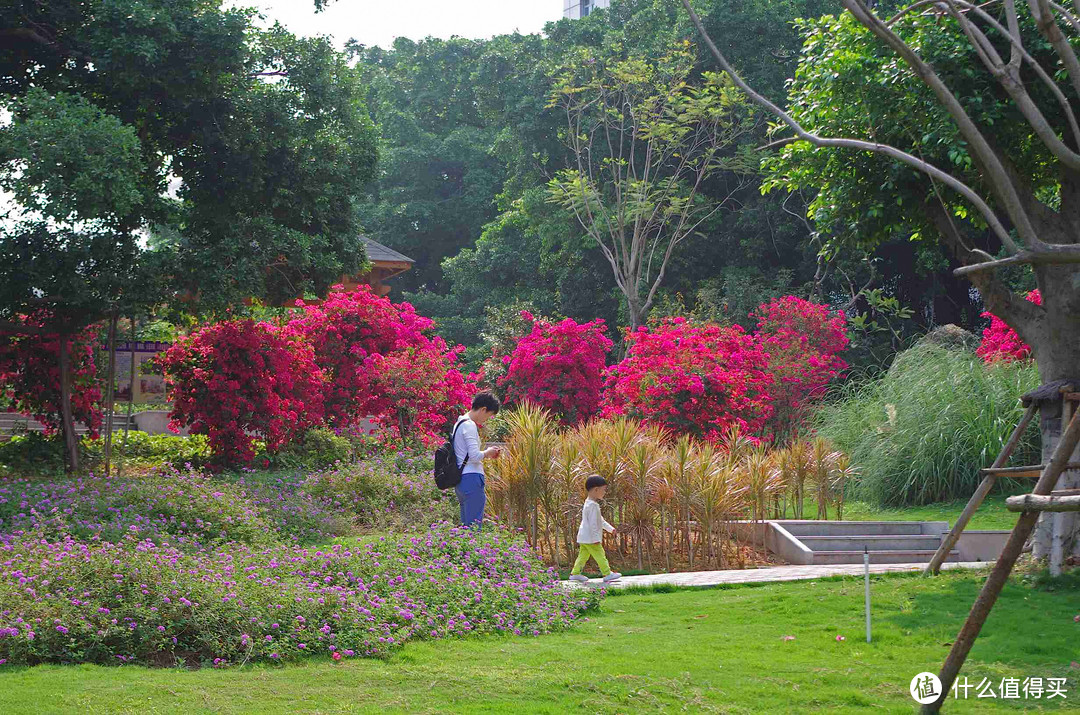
[699, 379]
[381, 360]
[560, 367]
[804, 341]
[1000, 342]
[418, 387]
[239, 380]
[703, 378]
[30, 378]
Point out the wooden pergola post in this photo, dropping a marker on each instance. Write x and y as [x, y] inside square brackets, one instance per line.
[1003, 567]
[983, 489]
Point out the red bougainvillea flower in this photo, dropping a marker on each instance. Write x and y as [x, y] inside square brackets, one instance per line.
[1000, 342]
[382, 360]
[803, 340]
[30, 376]
[691, 378]
[702, 379]
[560, 367]
[239, 380]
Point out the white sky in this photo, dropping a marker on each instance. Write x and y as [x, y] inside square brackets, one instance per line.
[378, 22]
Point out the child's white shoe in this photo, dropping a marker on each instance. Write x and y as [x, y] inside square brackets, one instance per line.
[613, 576]
[578, 577]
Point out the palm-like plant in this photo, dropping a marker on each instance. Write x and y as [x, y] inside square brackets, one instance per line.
[760, 479]
[792, 469]
[567, 476]
[679, 473]
[705, 471]
[531, 444]
[846, 472]
[642, 463]
[726, 498]
[736, 444]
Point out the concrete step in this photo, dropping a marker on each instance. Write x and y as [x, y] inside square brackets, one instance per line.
[800, 528]
[880, 557]
[889, 542]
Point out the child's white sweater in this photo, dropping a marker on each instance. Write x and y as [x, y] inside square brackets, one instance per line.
[591, 523]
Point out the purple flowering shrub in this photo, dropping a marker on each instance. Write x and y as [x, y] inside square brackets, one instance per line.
[184, 509]
[63, 600]
[393, 490]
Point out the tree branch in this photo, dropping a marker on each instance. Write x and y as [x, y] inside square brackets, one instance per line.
[925, 167]
[1009, 78]
[994, 169]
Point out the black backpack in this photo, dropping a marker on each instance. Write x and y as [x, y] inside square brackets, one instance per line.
[447, 470]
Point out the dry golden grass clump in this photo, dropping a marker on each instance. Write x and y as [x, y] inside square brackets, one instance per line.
[673, 500]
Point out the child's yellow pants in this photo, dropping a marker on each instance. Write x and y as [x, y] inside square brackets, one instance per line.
[596, 551]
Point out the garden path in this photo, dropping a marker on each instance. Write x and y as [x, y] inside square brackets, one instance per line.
[764, 575]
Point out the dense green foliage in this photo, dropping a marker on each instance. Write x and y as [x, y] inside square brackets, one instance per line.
[922, 432]
[469, 144]
[36, 454]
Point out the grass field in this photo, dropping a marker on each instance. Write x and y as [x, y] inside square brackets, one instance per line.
[718, 650]
[991, 514]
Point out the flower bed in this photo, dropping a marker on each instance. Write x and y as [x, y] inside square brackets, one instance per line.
[136, 601]
[392, 490]
[182, 508]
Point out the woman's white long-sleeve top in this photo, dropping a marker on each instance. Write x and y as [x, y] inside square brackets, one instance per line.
[592, 523]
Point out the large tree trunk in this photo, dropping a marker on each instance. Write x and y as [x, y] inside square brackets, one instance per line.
[1057, 535]
[637, 313]
[71, 441]
[1057, 352]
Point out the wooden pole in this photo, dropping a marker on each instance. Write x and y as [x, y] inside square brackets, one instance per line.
[980, 610]
[983, 489]
[109, 390]
[1033, 502]
[71, 439]
[131, 400]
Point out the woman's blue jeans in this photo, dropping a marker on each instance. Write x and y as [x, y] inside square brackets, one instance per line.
[471, 497]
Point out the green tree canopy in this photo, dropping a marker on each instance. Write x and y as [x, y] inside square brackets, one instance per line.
[115, 101]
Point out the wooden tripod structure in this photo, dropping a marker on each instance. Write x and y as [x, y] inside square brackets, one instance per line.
[1042, 498]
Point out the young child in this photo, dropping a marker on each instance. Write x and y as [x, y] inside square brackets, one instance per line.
[590, 534]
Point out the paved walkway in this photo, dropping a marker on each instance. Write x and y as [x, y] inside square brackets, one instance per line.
[765, 575]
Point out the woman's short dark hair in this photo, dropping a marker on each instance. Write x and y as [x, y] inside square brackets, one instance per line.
[487, 401]
[594, 481]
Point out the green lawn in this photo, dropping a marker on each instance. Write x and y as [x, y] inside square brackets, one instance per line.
[715, 650]
[991, 514]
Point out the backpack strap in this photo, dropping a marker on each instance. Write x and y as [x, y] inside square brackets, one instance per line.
[461, 421]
